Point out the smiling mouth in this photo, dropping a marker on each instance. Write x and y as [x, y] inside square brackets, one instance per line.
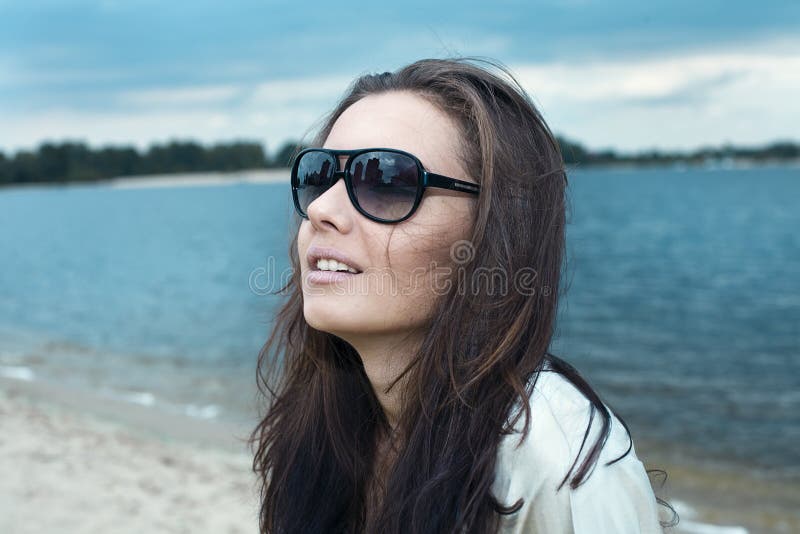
[333, 266]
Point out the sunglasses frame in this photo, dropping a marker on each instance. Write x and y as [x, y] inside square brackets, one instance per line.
[426, 179]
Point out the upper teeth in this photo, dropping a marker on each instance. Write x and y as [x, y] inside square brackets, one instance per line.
[333, 265]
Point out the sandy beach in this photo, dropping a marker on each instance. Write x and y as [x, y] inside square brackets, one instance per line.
[252, 176]
[73, 470]
[713, 499]
[73, 462]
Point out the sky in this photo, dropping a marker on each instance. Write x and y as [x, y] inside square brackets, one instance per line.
[626, 75]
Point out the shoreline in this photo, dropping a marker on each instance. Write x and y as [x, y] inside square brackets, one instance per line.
[73, 449]
[155, 424]
[189, 179]
[281, 175]
[70, 470]
[718, 499]
[253, 176]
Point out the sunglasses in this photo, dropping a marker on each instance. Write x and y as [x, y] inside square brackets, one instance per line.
[384, 184]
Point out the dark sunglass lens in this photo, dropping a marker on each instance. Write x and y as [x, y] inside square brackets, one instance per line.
[385, 183]
[314, 176]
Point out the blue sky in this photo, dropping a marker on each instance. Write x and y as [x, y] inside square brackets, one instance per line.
[625, 75]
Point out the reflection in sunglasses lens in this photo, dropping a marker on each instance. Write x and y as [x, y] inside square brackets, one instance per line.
[385, 183]
[314, 177]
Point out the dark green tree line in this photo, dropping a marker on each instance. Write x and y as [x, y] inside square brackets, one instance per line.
[575, 153]
[76, 162]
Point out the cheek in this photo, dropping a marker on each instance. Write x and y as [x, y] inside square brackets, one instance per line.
[431, 268]
[302, 239]
[443, 226]
[411, 266]
[306, 236]
[425, 262]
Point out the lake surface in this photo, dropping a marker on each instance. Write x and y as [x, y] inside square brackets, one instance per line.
[683, 305]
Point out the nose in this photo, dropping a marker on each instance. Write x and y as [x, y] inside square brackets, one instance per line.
[332, 208]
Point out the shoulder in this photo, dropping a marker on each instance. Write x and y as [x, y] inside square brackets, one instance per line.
[613, 498]
[560, 417]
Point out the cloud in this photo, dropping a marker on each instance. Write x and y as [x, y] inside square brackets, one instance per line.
[271, 111]
[746, 96]
[180, 96]
[693, 92]
[299, 90]
[145, 128]
[672, 102]
[628, 80]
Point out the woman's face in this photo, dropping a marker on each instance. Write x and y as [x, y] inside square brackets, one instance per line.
[400, 263]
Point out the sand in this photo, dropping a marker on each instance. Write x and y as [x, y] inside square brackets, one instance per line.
[253, 176]
[65, 470]
[73, 462]
[713, 498]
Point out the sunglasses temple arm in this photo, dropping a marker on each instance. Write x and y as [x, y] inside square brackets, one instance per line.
[437, 180]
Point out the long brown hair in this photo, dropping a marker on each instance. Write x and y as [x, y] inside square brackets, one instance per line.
[315, 448]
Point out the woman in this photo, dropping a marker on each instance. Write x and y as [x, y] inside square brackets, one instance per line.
[416, 330]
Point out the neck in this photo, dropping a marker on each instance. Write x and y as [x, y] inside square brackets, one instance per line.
[384, 358]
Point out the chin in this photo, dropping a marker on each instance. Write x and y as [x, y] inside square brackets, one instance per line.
[331, 319]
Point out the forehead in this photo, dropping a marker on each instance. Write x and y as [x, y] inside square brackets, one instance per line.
[399, 120]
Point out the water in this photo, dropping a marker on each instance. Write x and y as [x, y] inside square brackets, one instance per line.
[683, 307]
[141, 293]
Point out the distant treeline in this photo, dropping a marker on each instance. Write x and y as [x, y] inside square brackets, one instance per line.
[76, 162]
[575, 153]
